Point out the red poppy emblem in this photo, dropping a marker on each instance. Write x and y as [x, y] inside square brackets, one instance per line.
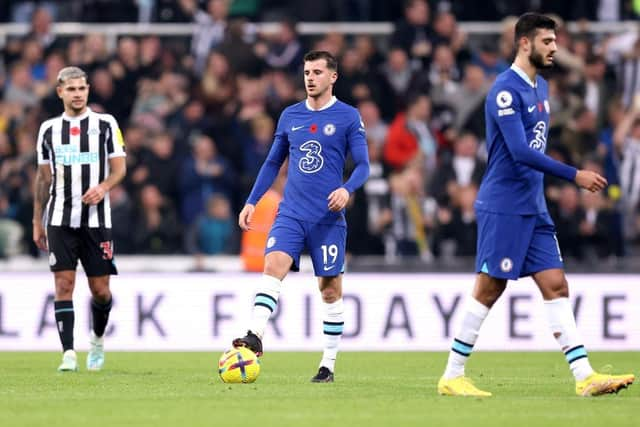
[313, 128]
[75, 131]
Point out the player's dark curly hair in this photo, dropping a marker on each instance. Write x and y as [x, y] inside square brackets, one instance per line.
[314, 55]
[529, 23]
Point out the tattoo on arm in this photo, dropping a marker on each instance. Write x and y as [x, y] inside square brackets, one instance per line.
[41, 194]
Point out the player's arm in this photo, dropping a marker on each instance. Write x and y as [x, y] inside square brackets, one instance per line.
[40, 199]
[268, 173]
[360, 154]
[41, 191]
[117, 166]
[510, 123]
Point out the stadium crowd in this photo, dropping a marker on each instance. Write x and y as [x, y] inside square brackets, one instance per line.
[198, 115]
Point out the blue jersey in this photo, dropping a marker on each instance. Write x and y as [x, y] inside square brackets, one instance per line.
[517, 126]
[317, 143]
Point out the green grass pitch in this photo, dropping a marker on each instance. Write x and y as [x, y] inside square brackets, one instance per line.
[371, 389]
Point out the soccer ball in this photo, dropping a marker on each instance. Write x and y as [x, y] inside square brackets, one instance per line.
[239, 365]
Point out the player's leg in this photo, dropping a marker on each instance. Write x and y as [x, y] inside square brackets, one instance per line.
[485, 293]
[284, 245]
[498, 260]
[327, 244]
[555, 291]
[98, 262]
[63, 258]
[332, 325]
[544, 263]
[101, 304]
[65, 317]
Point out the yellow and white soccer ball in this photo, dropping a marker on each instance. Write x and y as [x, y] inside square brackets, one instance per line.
[239, 365]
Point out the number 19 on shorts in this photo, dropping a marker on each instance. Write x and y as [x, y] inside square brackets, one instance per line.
[329, 252]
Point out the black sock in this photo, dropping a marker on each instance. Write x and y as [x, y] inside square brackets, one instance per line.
[100, 315]
[65, 318]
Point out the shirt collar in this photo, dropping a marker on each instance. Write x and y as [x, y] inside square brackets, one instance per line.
[80, 117]
[523, 75]
[324, 107]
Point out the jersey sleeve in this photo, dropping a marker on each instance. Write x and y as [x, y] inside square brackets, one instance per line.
[271, 166]
[357, 142]
[115, 141]
[43, 145]
[506, 109]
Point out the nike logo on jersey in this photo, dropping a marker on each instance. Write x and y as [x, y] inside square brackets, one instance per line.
[329, 268]
[295, 128]
[530, 108]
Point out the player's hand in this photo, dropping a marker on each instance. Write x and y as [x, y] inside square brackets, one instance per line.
[94, 195]
[338, 199]
[244, 219]
[590, 180]
[39, 236]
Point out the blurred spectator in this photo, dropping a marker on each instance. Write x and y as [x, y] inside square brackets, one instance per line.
[369, 52]
[122, 211]
[21, 88]
[368, 211]
[595, 89]
[568, 216]
[41, 28]
[580, 138]
[213, 230]
[125, 69]
[255, 147]
[457, 226]
[413, 33]
[399, 73]
[157, 230]
[627, 141]
[462, 169]
[160, 167]
[489, 59]
[202, 174]
[282, 50]
[409, 138]
[239, 51]
[217, 86]
[595, 229]
[407, 235]
[95, 53]
[10, 230]
[376, 128]
[356, 82]
[209, 31]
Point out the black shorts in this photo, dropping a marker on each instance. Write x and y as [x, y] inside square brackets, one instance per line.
[93, 246]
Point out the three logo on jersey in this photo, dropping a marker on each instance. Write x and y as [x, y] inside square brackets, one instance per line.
[313, 161]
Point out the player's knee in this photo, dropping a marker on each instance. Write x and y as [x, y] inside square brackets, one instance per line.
[64, 287]
[276, 267]
[330, 295]
[102, 295]
[559, 289]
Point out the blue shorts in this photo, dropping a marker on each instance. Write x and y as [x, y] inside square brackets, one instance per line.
[326, 243]
[513, 246]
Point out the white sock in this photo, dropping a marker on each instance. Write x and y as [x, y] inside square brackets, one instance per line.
[464, 341]
[563, 326]
[332, 327]
[264, 304]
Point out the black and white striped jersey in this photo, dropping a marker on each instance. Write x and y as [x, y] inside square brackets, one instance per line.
[78, 150]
